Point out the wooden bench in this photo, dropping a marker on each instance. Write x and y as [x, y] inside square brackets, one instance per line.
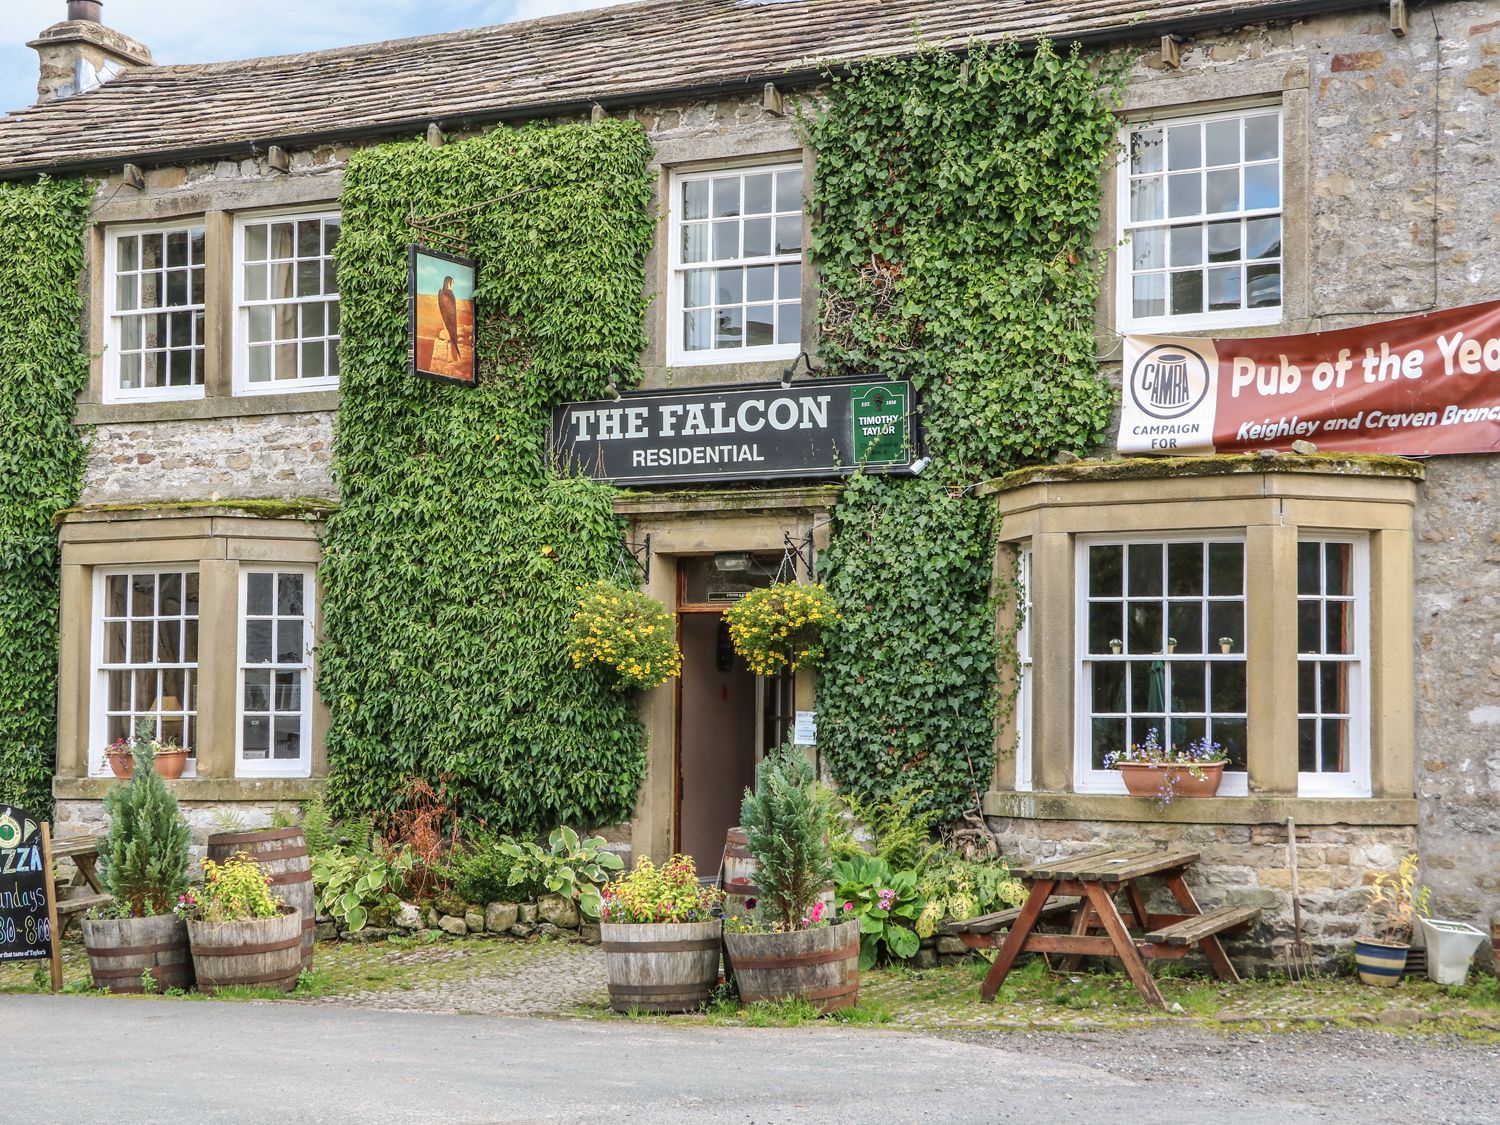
[1192, 930]
[84, 852]
[1004, 919]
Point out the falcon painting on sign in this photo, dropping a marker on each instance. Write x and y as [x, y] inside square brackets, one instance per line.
[441, 291]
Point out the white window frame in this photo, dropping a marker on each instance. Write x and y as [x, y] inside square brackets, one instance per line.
[1087, 779]
[1023, 719]
[241, 380]
[677, 354]
[111, 390]
[1355, 782]
[98, 722]
[1125, 319]
[270, 766]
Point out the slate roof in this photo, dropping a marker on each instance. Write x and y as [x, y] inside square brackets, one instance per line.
[561, 64]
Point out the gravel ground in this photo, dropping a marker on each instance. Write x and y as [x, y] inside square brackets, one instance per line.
[1371, 1076]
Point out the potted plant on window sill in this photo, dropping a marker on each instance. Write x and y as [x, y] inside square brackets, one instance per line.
[661, 939]
[793, 946]
[168, 758]
[1395, 902]
[137, 942]
[1167, 772]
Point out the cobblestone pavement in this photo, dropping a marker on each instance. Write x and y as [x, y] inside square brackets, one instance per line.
[538, 979]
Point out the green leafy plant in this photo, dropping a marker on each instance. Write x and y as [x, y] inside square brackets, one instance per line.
[143, 859]
[358, 886]
[451, 570]
[951, 886]
[898, 827]
[885, 902]
[787, 820]
[571, 867]
[628, 632]
[780, 628]
[236, 890]
[1396, 899]
[671, 893]
[42, 371]
[318, 828]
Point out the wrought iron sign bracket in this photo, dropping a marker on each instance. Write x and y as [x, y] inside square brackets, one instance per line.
[640, 556]
[801, 550]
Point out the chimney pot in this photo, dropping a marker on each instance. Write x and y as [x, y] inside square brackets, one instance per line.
[90, 10]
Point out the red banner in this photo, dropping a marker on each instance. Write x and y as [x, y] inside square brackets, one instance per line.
[1416, 386]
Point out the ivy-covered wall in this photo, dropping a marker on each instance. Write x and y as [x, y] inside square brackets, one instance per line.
[955, 203]
[42, 370]
[453, 564]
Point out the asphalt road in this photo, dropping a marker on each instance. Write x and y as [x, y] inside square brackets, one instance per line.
[86, 1059]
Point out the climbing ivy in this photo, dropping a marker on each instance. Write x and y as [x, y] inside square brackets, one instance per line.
[455, 561]
[956, 201]
[42, 370]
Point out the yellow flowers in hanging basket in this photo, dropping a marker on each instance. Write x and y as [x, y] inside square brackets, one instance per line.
[781, 626]
[628, 632]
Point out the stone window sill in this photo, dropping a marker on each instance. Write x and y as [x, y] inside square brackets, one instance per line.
[202, 788]
[1374, 811]
[198, 409]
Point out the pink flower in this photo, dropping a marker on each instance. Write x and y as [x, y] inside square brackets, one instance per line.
[817, 912]
[848, 906]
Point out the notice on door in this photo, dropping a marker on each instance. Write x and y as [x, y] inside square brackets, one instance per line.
[1417, 386]
[805, 729]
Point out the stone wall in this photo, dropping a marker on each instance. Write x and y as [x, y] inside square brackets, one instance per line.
[271, 456]
[1245, 865]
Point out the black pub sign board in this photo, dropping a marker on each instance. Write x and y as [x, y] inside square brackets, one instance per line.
[25, 933]
[747, 431]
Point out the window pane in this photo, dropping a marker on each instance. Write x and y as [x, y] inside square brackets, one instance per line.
[257, 642]
[1144, 629]
[140, 642]
[1263, 286]
[1339, 636]
[695, 330]
[1309, 627]
[314, 360]
[118, 694]
[1333, 686]
[1224, 288]
[281, 240]
[1262, 186]
[1221, 140]
[1187, 292]
[1226, 619]
[1105, 571]
[260, 364]
[1262, 238]
[758, 194]
[127, 253]
[190, 641]
[757, 238]
[729, 327]
[1149, 295]
[1187, 245]
[1109, 736]
[258, 594]
[1148, 249]
[1184, 568]
[1146, 151]
[1185, 626]
[169, 642]
[789, 322]
[789, 282]
[695, 199]
[1262, 138]
[1184, 147]
[288, 742]
[256, 737]
[1338, 560]
[1144, 565]
[726, 241]
[1230, 735]
[695, 242]
[289, 647]
[1188, 679]
[1226, 569]
[127, 292]
[1148, 687]
[1146, 199]
[309, 278]
[173, 689]
[1224, 241]
[1185, 194]
[1106, 626]
[1307, 745]
[789, 190]
[115, 589]
[760, 283]
[1223, 190]
[1308, 573]
[760, 326]
[729, 286]
[255, 283]
[1334, 751]
[289, 589]
[1109, 687]
[697, 288]
[726, 196]
[1228, 686]
[256, 243]
[142, 595]
[789, 234]
[257, 691]
[289, 691]
[114, 642]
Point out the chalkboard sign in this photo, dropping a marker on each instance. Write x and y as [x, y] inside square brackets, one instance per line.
[25, 929]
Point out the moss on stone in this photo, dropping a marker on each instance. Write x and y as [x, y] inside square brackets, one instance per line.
[1162, 468]
[301, 507]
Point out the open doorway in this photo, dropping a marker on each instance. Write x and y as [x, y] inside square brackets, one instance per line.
[727, 717]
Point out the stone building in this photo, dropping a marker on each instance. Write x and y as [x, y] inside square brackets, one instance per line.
[1366, 129]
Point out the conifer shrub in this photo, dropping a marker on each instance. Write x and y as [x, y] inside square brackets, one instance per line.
[787, 821]
[143, 860]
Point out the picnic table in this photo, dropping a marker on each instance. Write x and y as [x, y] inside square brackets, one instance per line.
[1085, 887]
[84, 852]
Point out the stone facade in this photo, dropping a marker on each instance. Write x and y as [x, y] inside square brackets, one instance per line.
[270, 456]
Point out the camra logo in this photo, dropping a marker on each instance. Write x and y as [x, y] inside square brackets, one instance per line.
[1169, 381]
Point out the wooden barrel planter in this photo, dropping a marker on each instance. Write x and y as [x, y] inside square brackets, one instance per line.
[820, 966]
[260, 953]
[738, 874]
[282, 854]
[122, 950]
[661, 966]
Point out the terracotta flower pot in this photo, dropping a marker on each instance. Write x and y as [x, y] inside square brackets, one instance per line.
[1147, 779]
[170, 763]
[121, 765]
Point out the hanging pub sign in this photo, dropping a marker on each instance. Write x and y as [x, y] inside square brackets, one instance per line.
[758, 431]
[440, 316]
[1416, 386]
[25, 923]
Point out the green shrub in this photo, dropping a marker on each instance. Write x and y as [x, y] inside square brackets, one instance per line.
[787, 820]
[236, 890]
[358, 886]
[954, 887]
[899, 828]
[887, 904]
[570, 867]
[143, 860]
[479, 870]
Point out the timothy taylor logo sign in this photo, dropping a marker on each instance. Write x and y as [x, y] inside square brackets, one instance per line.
[822, 428]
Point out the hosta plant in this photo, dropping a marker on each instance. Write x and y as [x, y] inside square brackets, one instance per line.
[357, 886]
[886, 903]
[954, 887]
[572, 867]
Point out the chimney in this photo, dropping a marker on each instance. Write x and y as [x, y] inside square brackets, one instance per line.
[81, 54]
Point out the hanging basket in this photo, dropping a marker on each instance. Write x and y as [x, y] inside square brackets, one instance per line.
[780, 628]
[627, 632]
